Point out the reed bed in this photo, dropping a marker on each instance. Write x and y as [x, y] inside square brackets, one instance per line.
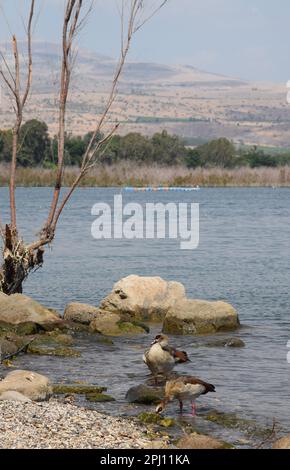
[132, 174]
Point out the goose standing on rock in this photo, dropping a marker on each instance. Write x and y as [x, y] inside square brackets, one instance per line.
[184, 388]
[160, 358]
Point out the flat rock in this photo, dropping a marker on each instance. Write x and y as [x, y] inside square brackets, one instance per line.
[191, 317]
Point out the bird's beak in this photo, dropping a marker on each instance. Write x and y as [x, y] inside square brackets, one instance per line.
[154, 342]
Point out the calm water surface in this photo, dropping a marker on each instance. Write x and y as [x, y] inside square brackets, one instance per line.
[243, 257]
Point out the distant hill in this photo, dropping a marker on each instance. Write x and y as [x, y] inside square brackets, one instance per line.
[181, 98]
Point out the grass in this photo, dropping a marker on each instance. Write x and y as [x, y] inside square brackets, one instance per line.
[133, 174]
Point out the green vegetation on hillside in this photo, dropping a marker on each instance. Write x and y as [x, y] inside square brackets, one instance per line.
[37, 148]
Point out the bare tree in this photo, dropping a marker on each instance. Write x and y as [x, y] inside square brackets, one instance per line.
[19, 259]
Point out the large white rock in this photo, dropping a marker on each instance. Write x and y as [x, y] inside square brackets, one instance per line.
[143, 298]
[30, 384]
[18, 308]
[190, 317]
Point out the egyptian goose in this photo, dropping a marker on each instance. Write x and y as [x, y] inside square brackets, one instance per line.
[184, 388]
[160, 358]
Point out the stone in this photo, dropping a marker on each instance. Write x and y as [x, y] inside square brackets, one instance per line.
[191, 317]
[19, 308]
[145, 395]
[77, 389]
[227, 342]
[51, 344]
[199, 441]
[80, 313]
[99, 397]
[35, 386]
[111, 324]
[143, 298]
[283, 443]
[11, 395]
[7, 348]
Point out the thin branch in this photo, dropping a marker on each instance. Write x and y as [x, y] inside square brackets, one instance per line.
[149, 17]
[18, 104]
[89, 160]
[29, 72]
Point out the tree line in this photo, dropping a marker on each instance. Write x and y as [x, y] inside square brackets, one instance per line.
[37, 148]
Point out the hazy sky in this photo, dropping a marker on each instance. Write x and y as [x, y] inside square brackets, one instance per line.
[242, 38]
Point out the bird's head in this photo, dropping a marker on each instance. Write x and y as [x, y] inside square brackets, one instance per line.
[161, 339]
[160, 407]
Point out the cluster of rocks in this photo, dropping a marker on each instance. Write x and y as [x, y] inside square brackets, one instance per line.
[134, 302]
[136, 299]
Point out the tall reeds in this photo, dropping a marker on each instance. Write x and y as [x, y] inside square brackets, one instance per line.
[133, 174]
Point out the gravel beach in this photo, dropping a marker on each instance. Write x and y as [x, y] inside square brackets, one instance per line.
[56, 425]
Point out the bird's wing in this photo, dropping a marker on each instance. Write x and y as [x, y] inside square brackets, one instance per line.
[145, 356]
[195, 381]
[170, 350]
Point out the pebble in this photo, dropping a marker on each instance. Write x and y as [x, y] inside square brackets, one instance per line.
[56, 425]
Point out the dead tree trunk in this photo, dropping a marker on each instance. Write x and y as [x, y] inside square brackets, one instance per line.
[20, 259]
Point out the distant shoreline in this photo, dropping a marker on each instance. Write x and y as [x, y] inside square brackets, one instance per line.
[134, 175]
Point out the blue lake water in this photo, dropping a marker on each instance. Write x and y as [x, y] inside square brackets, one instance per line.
[243, 258]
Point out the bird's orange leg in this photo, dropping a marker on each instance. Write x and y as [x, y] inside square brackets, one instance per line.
[193, 409]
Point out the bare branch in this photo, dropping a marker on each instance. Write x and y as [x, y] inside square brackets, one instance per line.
[89, 158]
[29, 72]
[13, 85]
[73, 9]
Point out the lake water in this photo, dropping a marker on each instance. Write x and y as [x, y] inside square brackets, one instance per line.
[243, 258]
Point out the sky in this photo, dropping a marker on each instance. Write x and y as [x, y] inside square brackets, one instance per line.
[248, 39]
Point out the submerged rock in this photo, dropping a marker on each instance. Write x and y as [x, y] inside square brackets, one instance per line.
[191, 317]
[200, 441]
[154, 418]
[143, 298]
[144, 395]
[18, 308]
[227, 342]
[53, 345]
[77, 389]
[32, 385]
[99, 397]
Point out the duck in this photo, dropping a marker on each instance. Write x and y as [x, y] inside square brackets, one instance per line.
[184, 388]
[160, 358]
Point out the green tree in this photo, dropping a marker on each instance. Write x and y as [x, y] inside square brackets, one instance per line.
[219, 152]
[168, 149]
[5, 145]
[34, 143]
